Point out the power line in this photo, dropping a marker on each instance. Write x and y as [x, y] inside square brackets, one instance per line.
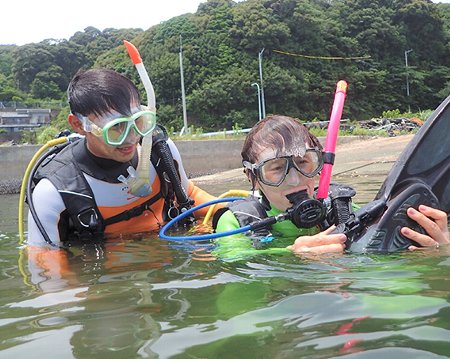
[323, 57]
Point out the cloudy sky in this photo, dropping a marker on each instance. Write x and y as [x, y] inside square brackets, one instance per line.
[26, 21]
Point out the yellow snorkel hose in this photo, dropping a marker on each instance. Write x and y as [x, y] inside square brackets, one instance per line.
[230, 193]
[25, 179]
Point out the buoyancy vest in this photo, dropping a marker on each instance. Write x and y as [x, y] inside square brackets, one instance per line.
[247, 211]
[252, 209]
[65, 171]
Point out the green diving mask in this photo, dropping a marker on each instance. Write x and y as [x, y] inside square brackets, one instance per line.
[115, 130]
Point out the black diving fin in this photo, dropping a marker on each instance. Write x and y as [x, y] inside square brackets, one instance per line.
[421, 175]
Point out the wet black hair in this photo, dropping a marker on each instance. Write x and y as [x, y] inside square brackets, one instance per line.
[98, 91]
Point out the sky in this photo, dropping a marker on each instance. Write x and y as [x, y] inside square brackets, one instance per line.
[27, 21]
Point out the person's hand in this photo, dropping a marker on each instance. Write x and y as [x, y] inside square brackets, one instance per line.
[435, 224]
[322, 242]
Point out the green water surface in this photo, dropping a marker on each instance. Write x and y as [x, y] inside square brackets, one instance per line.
[150, 298]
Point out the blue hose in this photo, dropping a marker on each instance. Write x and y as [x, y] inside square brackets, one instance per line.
[202, 236]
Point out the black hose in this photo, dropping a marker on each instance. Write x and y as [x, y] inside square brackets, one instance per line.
[162, 151]
[341, 203]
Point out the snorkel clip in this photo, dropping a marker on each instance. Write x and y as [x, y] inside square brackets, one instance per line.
[143, 190]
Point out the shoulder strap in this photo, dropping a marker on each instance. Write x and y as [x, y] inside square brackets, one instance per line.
[63, 172]
[133, 212]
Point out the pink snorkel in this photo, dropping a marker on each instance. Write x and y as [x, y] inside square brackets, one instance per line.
[330, 143]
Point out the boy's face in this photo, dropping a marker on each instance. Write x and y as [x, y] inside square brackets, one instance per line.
[293, 182]
[96, 142]
[123, 153]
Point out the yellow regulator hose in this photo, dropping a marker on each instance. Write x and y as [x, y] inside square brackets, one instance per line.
[26, 176]
[230, 193]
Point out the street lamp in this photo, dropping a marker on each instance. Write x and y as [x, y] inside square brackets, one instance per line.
[183, 96]
[263, 102]
[259, 99]
[407, 77]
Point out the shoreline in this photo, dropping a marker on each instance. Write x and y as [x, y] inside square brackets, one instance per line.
[356, 158]
[353, 153]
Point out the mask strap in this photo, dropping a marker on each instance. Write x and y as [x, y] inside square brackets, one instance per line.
[87, 126]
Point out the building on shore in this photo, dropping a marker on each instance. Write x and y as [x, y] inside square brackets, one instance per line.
[14, 121]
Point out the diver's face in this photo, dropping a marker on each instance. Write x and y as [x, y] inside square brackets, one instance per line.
[98, 147]
[293, 182]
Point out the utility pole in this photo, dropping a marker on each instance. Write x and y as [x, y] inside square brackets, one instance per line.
[407, 78]
[263, 101]
[259, 100]
[183, 97]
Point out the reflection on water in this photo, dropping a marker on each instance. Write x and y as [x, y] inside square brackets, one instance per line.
[9, 205]
[152, 298]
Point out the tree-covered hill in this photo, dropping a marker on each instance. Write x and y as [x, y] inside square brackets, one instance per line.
[308, 46]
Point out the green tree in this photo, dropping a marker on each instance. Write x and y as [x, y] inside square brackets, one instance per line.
[255, 27]
[6, 59]
[46, 84]
[8, 92]
[221, 42]
[29, 60]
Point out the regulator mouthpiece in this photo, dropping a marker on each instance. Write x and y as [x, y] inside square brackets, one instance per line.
[305, 212]
[297, 197]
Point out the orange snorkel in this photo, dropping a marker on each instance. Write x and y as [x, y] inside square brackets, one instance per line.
[138, 180]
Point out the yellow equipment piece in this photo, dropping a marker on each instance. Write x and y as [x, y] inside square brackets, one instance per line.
[25, 179]
[230, 193]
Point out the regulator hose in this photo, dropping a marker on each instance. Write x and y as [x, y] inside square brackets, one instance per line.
[291, 214]
[341, 204]
[162, 151]
[162, 232]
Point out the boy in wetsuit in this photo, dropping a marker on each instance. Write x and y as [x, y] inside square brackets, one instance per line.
[79, 190]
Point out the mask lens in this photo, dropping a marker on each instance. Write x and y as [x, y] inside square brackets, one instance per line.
[273, 171]
[310, 164]
[117, 132]
[145, 123]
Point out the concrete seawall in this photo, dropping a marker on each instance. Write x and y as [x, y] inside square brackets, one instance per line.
[200, 157]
